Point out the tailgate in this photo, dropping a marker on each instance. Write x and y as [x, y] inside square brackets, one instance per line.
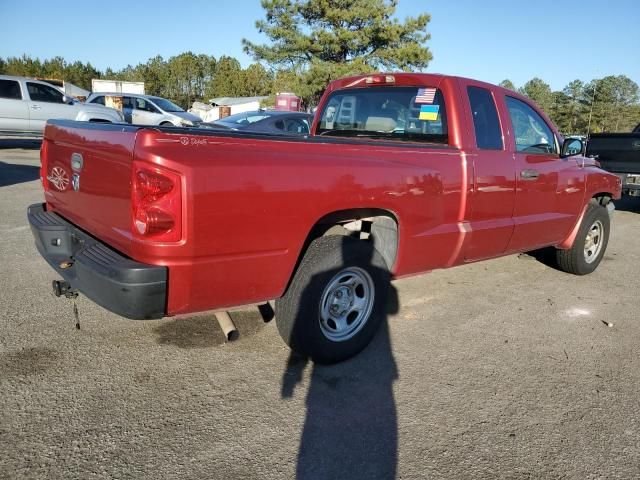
[617, 152]
[86, 173]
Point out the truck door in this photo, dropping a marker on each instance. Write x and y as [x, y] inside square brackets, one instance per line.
[14, 111]
[47, 102]
[493, 198]
[549, 189]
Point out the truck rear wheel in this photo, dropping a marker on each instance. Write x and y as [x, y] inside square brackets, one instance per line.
[336, 300]
[590, 244]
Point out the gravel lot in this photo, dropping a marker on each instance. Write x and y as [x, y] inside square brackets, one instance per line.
[497, 369]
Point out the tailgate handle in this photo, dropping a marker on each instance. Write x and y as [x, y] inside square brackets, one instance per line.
[529, 174]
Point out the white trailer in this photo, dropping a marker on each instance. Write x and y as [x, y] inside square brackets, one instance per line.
[116, 86]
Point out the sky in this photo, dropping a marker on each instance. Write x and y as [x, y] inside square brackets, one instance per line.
[558, 41]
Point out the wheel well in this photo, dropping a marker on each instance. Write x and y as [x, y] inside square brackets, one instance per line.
[99, 120]
[376, 225]
[602, 198]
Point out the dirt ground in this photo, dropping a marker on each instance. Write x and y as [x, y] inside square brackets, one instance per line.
[500, 369]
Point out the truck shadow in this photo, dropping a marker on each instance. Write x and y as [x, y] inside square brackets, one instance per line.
[203, 331]
[11, 173]
[350, 427]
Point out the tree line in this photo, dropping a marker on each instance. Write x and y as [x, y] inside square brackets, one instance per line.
[608, 104]
[183, 78]
[311, 42]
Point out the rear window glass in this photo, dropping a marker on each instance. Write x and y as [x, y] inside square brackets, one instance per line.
[485, 119]
[415, 114]
[10, 89]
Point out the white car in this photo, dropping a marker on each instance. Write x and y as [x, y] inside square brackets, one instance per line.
[27, 104]
[148, 109]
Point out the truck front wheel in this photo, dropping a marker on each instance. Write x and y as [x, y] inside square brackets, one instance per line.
[336, 300]
[590, 243]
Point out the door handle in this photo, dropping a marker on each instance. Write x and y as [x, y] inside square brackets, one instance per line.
[36, 107]
[529, 174]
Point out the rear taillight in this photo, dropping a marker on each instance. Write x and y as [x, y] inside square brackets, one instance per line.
[43, 164]
[156, 200]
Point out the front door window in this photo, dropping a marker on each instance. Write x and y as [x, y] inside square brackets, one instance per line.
[532, 134]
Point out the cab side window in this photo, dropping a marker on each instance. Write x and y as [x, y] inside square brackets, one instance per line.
[44, 93]
[10, 89]
[531, 132]
[485, 119]
[99, 100]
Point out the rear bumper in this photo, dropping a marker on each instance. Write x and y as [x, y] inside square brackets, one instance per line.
[125, 287]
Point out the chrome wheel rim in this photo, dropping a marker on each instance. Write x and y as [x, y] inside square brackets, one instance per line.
[593, 242]
[346, 304]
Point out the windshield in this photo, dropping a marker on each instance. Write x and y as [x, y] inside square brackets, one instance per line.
[166, 105]
[244, 118]
[395, 113]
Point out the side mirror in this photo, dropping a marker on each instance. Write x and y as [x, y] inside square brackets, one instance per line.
[68, 100]
[572, 146]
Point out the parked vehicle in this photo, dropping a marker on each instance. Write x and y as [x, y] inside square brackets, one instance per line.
[268, 121]
[149, 110]
[402, 174]
[619, 153]
[27, 104]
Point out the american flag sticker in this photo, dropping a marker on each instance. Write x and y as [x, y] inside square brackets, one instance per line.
[425, 95]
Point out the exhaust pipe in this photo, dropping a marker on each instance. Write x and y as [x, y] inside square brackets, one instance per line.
[228, 327]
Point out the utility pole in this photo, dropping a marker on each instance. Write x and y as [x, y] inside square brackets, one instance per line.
[593, 98]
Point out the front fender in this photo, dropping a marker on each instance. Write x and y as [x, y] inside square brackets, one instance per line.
[598, 182]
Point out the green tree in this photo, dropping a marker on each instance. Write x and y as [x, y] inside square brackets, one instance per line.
[319, 39]
[228, 80]
[575, 106]
[506, 83]
[256, 80]
[540, 92]
[610, 101]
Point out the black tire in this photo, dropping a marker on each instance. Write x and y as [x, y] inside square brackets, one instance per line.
[329, 260]
[574, 260]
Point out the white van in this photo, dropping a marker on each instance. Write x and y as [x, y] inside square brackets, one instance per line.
[148, 110]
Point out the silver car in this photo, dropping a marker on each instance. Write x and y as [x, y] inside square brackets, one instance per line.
[26, 105]
[148, 109]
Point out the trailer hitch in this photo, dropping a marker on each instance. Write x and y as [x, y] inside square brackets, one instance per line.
[64, 289]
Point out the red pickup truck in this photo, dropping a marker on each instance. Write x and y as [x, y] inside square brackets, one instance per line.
[402, 174]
